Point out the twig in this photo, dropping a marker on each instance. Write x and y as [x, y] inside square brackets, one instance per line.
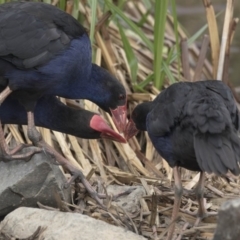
[154, 229]
[185, 60]
[102, 20]
[40, 205]
[201, 58]
[185, 226]
[213, 33]
[228, 16]
[36, 234]
[133, 224]
[166, 230]
[154, 210]
[232, 30]
[216, 191]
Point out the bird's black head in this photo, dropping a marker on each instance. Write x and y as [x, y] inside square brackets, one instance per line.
[138, 119]
[77, 122]
[110, 95]
[139, 115]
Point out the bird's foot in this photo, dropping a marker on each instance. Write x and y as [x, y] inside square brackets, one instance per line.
[76, 173]
[34, 135]
[206, 214]
[17, 154]
[78, 176]
[51, 157]
[200, 215]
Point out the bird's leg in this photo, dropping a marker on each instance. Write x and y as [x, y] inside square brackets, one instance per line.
[6, 154]
[9, 155]
[75, 171]
[178, 190]
[33, 133]
[201, 213]
[37, 140]
[199, 190]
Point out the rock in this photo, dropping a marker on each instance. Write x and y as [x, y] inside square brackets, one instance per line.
[228, 227]
[130, 202]
[23, 222]
[26, 183]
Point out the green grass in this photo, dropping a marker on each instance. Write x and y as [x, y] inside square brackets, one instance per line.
[117, 11]
[131, 58]
[93, 5]
[159, 30]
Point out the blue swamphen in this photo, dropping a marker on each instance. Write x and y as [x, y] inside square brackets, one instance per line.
[45, 51]
[51, 113]
[192, 125]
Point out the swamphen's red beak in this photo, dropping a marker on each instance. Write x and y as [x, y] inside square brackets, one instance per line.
[130, 130]
[97, 123]
[119, 116]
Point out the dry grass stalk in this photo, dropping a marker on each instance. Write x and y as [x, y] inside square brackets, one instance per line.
[185, 60]
[201, 58]
[231, 33]
[227, 20]
[122, 163]
[15, 133]
[213, 33]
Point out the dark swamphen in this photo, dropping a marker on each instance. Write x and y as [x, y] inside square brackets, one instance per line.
[192, 125]
[45, 51]
[51, 113]
[77, 122]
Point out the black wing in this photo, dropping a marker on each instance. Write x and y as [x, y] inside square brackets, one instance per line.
[226, 95]
[168, 107]
[186, 103]
[32, 33]
[208, 110]
[216, 143]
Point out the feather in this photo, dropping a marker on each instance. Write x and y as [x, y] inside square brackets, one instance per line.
[198, 121]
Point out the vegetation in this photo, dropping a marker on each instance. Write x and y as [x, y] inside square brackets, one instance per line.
[143, 44]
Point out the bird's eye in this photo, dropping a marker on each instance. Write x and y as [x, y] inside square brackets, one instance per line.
[121, 96]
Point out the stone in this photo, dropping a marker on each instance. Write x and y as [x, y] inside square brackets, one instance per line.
[228, 227]
[26, 183]
[130, 202]
[23, 222]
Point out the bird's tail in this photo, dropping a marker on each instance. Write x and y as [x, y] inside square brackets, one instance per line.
[218, 153]
[216, 142]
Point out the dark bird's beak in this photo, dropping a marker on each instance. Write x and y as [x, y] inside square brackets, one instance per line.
[97, 123]
[130, 130]
[119, 116]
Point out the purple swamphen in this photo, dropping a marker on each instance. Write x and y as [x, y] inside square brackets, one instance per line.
[77, 122]
[194, 126]
[45, 51]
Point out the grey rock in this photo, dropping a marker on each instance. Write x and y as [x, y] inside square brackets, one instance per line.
[23, 222]
[130, 202]
[26, 183]
[228, 227]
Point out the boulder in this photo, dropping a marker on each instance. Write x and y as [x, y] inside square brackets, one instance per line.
[228, 227]
[23, 222]
[26, 183]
